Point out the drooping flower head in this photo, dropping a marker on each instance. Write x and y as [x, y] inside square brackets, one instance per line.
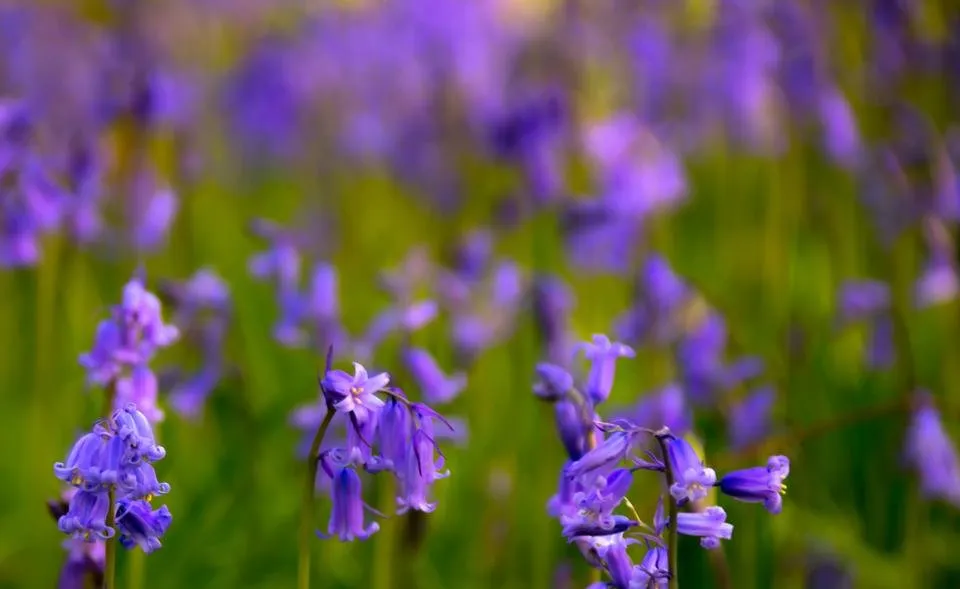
[762, 484]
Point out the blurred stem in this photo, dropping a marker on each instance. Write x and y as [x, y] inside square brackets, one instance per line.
[109, 393]
[671, 529]
[110, 561]
[721, 569]
[384, 551]
[306, 518]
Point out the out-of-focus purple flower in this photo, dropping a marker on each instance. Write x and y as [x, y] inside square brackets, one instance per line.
[859, 300]
[661, 294]
[841, 138]
[346, 518]
[140, 388]
[664, 407]
[266, 99]
[154, 217]
[552, 302]
[709, 525]
[436, 386]
[691, 479]
[749, 419]
[553, 382]
[603, 355]
[700, 357]
[880, 346]
[762, 484]
[931, 451]
[938, 283]
[129, 339]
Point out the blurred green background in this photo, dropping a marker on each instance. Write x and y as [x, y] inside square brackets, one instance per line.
[766, 240]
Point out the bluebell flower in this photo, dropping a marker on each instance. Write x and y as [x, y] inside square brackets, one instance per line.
[355, 394]
[554, 382]
[139, 525]
[573, 429]
[666, 407]
[759, 484]
[618, 563]
[87, 516]
[393, 433]
[436, 386]
[654, 567]
[422, 470]
[691, 479]
[931, 451]
[709, 525]
[346, 517]
[605, 457]
[603, 355]
[590, 512]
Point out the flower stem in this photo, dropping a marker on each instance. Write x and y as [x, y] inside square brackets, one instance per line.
[306, 518]
[110, 561]
[671, 529]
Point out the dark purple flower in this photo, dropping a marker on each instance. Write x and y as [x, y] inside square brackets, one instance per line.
[709, 525]
[346, 518]
[139, 525]
[859, 300]
[86, 518]
[759, 484]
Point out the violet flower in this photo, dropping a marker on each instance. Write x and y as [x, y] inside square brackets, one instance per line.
[346, 518]
[709, 525]
[760, 484]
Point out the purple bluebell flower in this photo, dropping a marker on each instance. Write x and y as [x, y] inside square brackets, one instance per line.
[691, 479]
[605, 457]
[931, 451]
[700, 357]
[86, 518]
[346, 518]
[709, 525]
[603, 355]
[591, 512]
[554, 382]
[393, 433]
[436, 386]
[358, 393]
[759, 484]
[653, 568]
[84, 565]
[139, 525]
[418, 475]
[880, 348]
[573, 429]
[749, 419]
[939, 282]
[618, 563]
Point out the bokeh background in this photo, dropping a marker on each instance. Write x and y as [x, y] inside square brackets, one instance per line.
[771, 153]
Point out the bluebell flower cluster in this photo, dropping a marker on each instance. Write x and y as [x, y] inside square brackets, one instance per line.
[125, 344]
[591, 502]
[386, 432]
[111, 468]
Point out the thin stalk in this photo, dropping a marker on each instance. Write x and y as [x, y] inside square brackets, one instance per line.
[110, 561]
[306, 519]
[671, 529]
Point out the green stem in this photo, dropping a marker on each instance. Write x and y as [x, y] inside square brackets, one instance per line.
[110, 561]
[671, 529]
[306, 519]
